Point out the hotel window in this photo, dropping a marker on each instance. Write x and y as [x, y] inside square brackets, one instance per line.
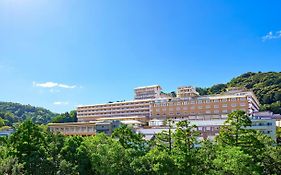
[242, 99]
[208, 106]
[171, 113]
[224, 100]
[224, 111]
[199, 101]
[184, 108]
[216, 100]
[216, 111]
[163, 109]
[216, 106]
[178, 103]
[192, 107]
[200, 107]
[192, 102]
[233, 99]
[178, 108]
[208, 112]
[157, 110]
[224, 105]
[242, 104]
[178, 113]
[207, 101]
[233, 105]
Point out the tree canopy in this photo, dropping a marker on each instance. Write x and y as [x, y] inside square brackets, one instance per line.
[32, 149]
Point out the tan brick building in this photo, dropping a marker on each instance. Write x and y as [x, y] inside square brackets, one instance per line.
[189, 104]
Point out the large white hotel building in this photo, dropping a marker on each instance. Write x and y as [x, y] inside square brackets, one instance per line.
[150, 103]
[151, 107]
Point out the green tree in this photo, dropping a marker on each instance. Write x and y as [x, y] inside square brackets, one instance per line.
[205, 155]
[234, 128]
[128, 139]
[66, 117]
[55, 145]
[163, 140]
[73, 156]
[154, 162]
[271, 160]
[29, 146]
[2, 122]
[231, 160]
[184, 142]
[107, 155]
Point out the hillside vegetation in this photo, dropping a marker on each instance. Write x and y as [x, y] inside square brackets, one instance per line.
[15, 112]
[266, 86]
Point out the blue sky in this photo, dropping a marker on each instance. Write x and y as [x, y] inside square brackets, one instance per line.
[62, 53]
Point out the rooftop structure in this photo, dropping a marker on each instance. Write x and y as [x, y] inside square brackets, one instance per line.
[147, 92]
[186, 92]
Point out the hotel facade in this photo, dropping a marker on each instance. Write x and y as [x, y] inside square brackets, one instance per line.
[151, 107]
[149, 104]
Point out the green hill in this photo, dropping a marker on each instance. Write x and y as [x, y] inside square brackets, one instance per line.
[266, 86]
[16, 112]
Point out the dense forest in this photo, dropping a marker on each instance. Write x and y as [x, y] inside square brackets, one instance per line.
[32, 149]
[15, 112]
[266, 86]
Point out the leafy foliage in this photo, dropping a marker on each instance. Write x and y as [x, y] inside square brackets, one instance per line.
[65, 117]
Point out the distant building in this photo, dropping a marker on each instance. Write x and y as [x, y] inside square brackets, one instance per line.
[137, 108]
[188, 105]
[187, 92]
[84, 128]
[150, 104]
[264, 122]
[151, 107]
[147, 92]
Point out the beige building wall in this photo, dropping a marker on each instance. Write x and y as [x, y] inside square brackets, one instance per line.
[205, 106]
[136, 108]
[77, 128]
[147, 92]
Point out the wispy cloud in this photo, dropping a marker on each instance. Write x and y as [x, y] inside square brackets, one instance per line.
[53, 85]
[62, 103]
[272, 35]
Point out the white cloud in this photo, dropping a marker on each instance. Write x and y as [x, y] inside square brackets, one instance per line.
[272, 35]
[63, 103]
[53, 85]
